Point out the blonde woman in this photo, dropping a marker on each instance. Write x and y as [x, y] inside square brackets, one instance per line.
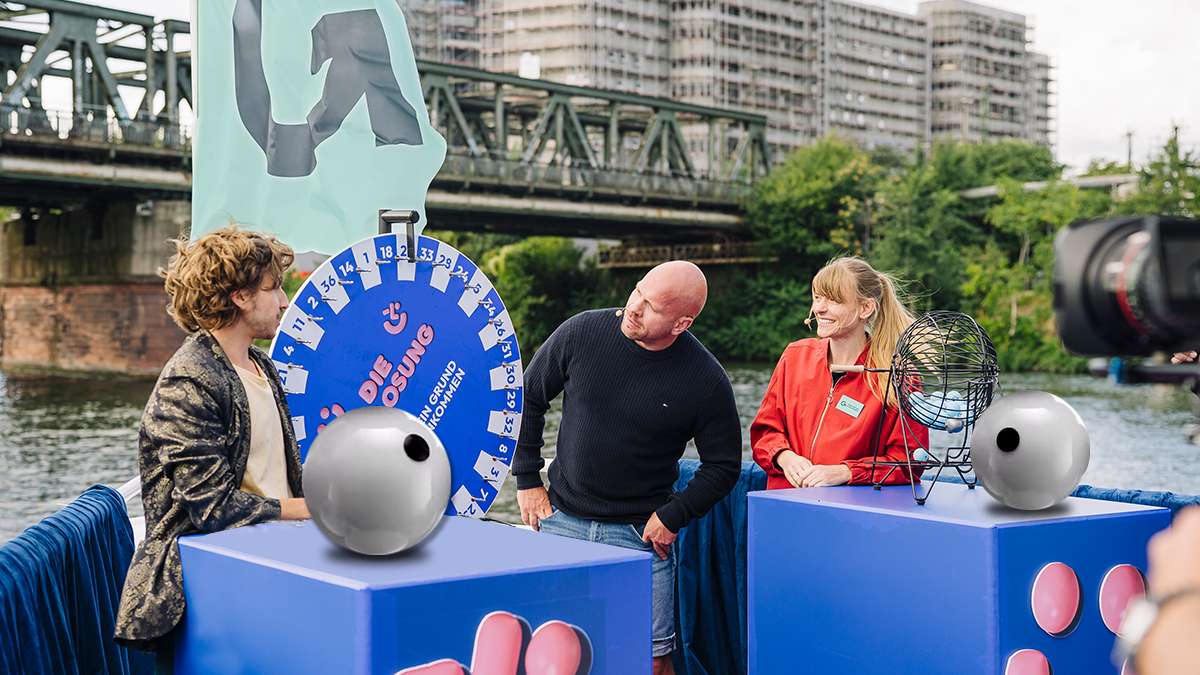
[817, 427]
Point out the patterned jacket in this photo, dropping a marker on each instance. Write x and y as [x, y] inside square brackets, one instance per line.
[193, 446]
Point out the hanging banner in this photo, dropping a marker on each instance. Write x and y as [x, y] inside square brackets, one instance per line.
[310, 119]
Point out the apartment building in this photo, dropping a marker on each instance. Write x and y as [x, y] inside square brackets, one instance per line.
[875, 76]
[446, 31]
[761, 56]
[622, 45]
[986, 83]
[956, 69]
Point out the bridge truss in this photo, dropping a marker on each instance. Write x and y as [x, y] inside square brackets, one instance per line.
[507, 135]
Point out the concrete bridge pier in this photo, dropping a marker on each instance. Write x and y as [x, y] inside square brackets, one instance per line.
[79, 288]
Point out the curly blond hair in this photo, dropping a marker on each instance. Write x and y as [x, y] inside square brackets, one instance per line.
[203, 275]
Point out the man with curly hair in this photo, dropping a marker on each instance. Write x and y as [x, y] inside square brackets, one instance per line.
[216, 445]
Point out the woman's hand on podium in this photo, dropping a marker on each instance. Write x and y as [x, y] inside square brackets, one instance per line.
[794, 466]
[1184, 357]
[535, 505]
[293, 508]
[823, 475]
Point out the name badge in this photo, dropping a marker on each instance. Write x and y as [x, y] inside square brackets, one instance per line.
[850, 406]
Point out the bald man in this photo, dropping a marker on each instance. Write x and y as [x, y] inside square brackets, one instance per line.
[637, 387]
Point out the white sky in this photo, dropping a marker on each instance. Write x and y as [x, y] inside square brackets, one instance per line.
[1120, 66]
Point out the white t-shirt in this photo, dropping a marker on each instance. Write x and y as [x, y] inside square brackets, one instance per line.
[266, 470]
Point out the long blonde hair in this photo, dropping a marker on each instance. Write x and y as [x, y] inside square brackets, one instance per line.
[852, 274]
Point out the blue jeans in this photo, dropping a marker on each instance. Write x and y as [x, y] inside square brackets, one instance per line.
[662, 572]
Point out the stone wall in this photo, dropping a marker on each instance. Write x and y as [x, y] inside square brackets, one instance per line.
[99, 327]
[79, 290]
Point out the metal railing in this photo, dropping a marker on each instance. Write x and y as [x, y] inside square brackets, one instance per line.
[99, 126]
[467, 170]
[721, 253]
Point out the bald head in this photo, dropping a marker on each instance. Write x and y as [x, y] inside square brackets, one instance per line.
[681, 284]
[664, 303]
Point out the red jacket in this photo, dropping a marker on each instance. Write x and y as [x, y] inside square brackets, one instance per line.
[805, 412]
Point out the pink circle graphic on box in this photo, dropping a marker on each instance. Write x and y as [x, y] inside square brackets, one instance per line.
[1055, 598]
[555, 648]
[1121, 585]
[1027, 662]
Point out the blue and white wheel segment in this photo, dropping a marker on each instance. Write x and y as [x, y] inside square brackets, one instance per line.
[431, 337]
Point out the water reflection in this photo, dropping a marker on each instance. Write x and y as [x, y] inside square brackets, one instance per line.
[60, 433]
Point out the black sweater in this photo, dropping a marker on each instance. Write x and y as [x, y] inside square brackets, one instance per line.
[628, 414]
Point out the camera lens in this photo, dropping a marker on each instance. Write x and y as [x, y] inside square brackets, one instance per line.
[1128, 286]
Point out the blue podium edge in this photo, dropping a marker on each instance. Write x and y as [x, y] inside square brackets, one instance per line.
[623, 557]
[1012, 517]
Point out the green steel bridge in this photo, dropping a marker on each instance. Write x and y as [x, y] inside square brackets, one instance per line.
[525, 156]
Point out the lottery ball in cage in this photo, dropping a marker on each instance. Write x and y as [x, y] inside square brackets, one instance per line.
[1030, 450]
[376, 480]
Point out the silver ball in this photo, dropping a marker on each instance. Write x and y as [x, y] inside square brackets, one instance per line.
[376, 480]
[1030, 450]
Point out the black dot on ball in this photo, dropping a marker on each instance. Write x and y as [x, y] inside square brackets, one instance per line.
[1008, 439]
[416, 448]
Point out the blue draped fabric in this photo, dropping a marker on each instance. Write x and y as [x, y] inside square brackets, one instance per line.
[1168, 500]
[60, 582]
[710, 582]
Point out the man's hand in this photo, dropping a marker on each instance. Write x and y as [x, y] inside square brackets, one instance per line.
[1184, 357]
[293, 508]
[794, 466]
[535, 505]
[822, 475]
[657, 535]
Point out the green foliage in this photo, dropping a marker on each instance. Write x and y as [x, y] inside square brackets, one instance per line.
[543, 281]
[752, 316]
[1100, 167]
[811, 208]
[1169, 184]
[960, 166]
[292, 280]
[1011, 294]
[921, 231]
[477, 246]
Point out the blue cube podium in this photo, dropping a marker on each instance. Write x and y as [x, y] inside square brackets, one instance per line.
[858, 580]
[280, 598]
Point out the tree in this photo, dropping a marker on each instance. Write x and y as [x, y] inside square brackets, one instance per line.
[1169, 184]
[1010, 292]
[543, 281]
[1100, 167]
[960, 166]
[921, 234]
[811, 208]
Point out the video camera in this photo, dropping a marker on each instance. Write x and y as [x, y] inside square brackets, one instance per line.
[1131, 287]
[1128, 286]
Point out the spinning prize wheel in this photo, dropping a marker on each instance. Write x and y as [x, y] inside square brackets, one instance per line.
[424, 332]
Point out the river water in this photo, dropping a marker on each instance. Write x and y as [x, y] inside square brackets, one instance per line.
[61, 433]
